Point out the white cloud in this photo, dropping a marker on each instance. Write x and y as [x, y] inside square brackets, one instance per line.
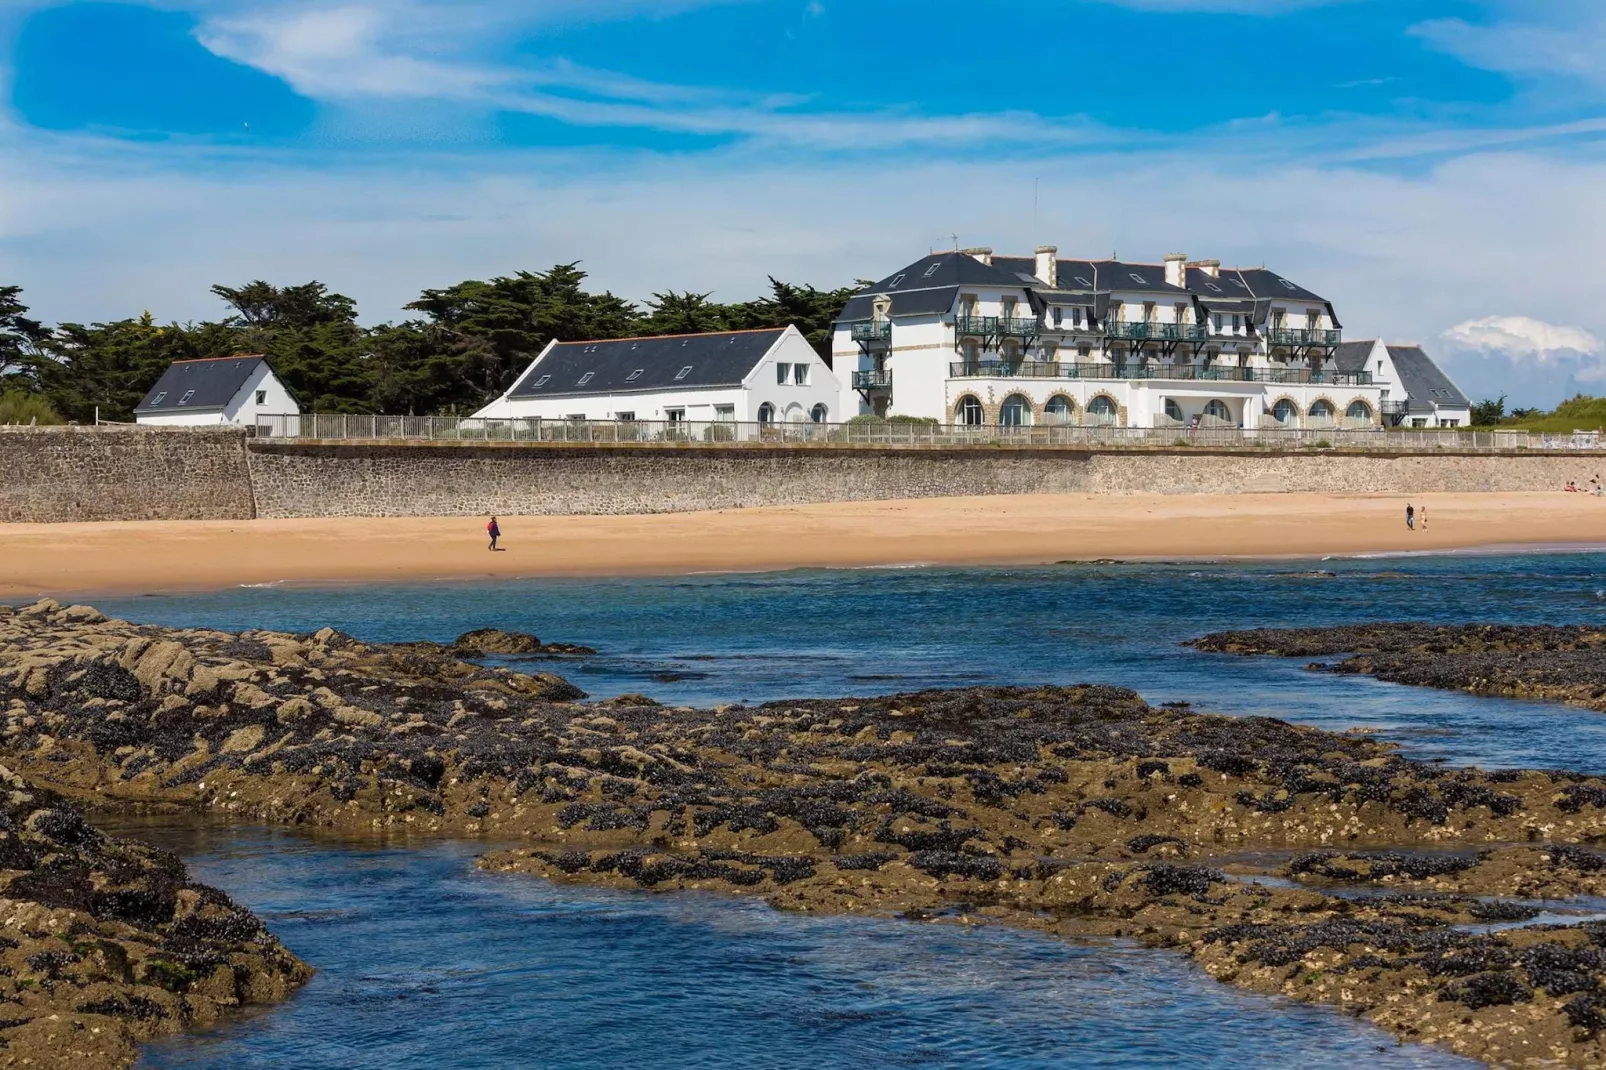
[1522, 338]
[1536, 39]
[1529, 361]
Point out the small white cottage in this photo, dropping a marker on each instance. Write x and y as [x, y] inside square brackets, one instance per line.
[218, 390]
[768, 376]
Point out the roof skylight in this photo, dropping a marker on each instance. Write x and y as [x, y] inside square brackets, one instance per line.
[543, 381]
[1139, 279]
[586, 378]
[633, 376]
[683, 373]
[185, 400]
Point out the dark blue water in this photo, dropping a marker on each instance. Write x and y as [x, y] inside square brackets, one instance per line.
[704, 640]
[426, 963]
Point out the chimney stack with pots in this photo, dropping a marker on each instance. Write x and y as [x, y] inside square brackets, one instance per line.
[1048, 265]
[1209, 267]
[983, 254]
[1176, 269]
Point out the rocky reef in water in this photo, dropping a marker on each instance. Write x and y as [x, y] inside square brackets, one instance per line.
[1540, 661]
[105, 943]
[1082, 811]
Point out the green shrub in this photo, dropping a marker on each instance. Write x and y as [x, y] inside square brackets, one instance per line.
[17, 407]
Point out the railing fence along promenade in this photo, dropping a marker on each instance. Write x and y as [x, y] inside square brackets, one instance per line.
[446, 429]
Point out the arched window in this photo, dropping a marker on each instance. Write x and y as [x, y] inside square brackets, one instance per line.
[1102, 409]
[1059, 410]
[1285, 412]
[818, 414]
[1173, 411]
[1015, 412]
[970, 411]
[1217, 410]
[766, 413]
[1360, 410]
[1322, 411]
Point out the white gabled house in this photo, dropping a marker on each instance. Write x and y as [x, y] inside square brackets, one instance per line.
[1415, 390]
[767, 376]
[218, 390]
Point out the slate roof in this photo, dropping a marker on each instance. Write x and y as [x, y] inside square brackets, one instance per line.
[931, 285]
[1088, 276]
[190, 385]
[1353, 356]
[637, 365]
[1425, 383]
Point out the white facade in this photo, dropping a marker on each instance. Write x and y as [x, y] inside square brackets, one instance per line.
[788, 384]
[262, 394]
[1140, 345]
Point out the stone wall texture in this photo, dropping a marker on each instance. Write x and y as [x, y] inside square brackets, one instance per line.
[448, 480]
[52, 475]
[64, 474]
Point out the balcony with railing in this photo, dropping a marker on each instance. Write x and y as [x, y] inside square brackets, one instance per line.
[1288, 336]
[1156, 332]
[872, 380]
[996, 326]
[871, 331]
[1035, 369]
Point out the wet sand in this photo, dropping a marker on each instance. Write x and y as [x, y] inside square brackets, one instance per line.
[89, 559]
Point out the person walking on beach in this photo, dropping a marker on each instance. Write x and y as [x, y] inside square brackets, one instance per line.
[494, 531]
[1422, 517]
[1410, 516]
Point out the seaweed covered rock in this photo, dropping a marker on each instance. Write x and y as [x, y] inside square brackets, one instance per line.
[1538, 661]
[105, 943]
[495, 642]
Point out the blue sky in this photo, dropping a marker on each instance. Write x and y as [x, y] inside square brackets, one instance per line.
[1434, 166]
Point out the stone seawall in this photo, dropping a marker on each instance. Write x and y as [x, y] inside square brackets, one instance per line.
[83, 474]
[63, 474]
[445, 480]
[307, 480]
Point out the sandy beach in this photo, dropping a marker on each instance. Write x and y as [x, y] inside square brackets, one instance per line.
[88, 559]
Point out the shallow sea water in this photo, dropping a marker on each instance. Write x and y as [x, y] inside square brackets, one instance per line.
[425, 962]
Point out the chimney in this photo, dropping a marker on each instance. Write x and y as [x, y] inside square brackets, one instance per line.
[1048, 265]
[1209, 267]
[984, 255]
[1176, 269]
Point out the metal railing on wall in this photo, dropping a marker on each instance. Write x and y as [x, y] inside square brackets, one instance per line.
[445, 429]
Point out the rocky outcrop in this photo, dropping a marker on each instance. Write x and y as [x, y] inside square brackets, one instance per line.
[494, 642]
[1077, 810]
[105, 943]
[1547, 662]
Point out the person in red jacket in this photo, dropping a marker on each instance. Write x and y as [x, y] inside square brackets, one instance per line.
[493, 531]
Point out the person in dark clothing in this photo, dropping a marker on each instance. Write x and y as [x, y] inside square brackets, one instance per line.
[494, 531]
[1410, 517]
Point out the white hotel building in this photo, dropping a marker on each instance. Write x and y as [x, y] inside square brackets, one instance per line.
[970, 338]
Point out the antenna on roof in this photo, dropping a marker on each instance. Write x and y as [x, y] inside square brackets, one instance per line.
[955, 237]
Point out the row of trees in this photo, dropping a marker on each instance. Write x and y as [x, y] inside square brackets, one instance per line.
[465, 346]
